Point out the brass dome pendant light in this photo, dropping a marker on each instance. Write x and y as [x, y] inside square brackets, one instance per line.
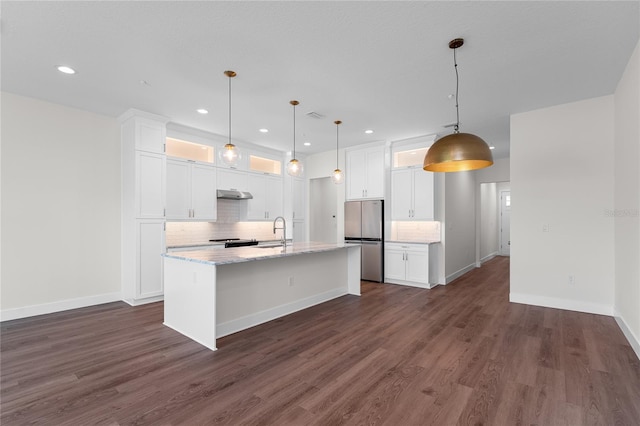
[230, 151]
[294, 167]
[337, 176]
[459, 151]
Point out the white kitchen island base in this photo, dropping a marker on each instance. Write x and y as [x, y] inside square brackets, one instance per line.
[213, 293]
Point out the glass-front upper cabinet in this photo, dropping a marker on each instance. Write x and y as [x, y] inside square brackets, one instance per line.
[190, 150]
[411, 152]
[265, 165]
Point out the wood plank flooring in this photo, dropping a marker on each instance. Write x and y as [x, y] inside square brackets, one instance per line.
[458, 354]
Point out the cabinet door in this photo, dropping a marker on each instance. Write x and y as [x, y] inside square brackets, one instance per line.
[374, 187]
[150, 136]
[275, 197]
[150, 244]
[299, 199]
[232, 180]
[178, 189]
[203, 192]
[356, 174]
[401, 194]
[298, 232]
[256, 207]
[394, 264]
[422, 194]
[418, 265]
[150, 185]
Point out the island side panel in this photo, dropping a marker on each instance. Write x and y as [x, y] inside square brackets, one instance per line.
[353, 269]
[252, 293]
[190, 300]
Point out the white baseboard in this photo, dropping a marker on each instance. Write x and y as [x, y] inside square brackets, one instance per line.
[252, 320]
[138, 302]
[631, 337]
[488, 257]
[460, 273]
[62, 305]
[569, 305]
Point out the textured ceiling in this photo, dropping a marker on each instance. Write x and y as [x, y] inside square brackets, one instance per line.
[384, 66]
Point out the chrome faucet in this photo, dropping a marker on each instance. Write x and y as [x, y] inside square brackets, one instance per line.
[284, 229]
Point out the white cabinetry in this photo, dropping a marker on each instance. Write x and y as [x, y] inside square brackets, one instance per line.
[143, 206]
[191, 191]
[411, 194]
[299, 199]
[233, 180]
[407, 264]
[365, 173]
[267, 202]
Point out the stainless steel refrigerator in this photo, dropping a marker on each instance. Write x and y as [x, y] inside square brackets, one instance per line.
[364, 224]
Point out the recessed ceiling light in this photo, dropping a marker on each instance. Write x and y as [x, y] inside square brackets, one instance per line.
[307, 144]
[492, 147]
[368, 131]
[65, 69]
[264, 130]
[202, 111]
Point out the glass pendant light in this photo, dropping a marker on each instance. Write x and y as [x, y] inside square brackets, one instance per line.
[337, 176]
[230, 151]
[294, 167]
[459, 151]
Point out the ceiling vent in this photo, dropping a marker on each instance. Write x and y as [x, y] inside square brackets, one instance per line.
[313, 114]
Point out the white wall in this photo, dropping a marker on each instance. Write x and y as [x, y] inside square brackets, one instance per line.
[489, 226]
[60, 207]
[562, 175]
[627, 200]
[459, 223]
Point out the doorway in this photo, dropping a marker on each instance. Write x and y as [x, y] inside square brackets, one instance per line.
[505, 223]
[323, 205]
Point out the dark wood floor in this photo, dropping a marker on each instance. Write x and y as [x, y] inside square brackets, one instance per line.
[460, 354]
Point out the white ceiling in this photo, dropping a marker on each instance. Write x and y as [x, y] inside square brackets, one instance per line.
[384, 66]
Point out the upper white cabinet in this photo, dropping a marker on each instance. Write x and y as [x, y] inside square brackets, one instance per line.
[191, 191]
[365, 173]
[149, 136]
[411, 194]
[234, 180]
[267, 202]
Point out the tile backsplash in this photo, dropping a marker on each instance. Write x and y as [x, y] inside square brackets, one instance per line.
[228, 225]
[415, 231]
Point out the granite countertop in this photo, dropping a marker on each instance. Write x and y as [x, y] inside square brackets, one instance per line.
[413, 242]
[219, 243]
[247, 254]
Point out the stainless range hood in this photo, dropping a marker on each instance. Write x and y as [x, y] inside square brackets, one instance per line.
[227, 194]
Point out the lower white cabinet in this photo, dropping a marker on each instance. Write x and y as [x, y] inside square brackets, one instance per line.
[407, 264]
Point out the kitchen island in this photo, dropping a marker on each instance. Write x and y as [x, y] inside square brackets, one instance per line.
[213, 293]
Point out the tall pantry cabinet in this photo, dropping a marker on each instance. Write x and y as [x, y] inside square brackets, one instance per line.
[143, 138]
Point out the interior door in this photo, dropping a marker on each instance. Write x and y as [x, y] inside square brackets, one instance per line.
[505, 223]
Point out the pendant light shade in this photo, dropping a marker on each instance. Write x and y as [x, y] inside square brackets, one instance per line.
[230, 151]
[294, 167]
[337, 176]
[459, 151]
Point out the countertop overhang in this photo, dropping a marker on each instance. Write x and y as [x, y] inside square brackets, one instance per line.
[247, 254]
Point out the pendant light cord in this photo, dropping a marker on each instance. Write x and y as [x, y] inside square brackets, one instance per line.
[455, 66]
[294, 132]
[229, 109]
[337, 126]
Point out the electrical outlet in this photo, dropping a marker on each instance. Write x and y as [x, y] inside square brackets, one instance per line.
[545, 227]
[572, 279]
